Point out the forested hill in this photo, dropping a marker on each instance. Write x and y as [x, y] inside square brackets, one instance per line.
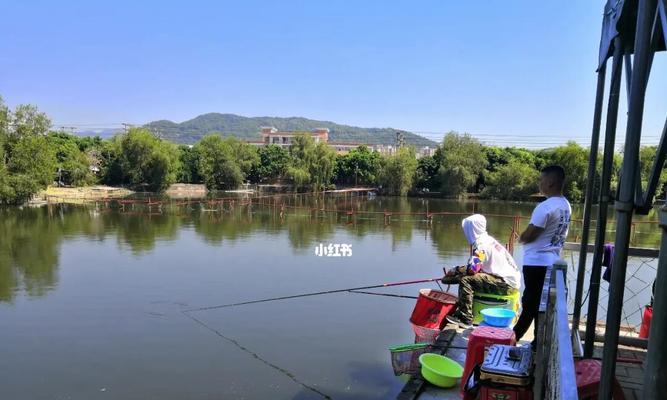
[246, 128]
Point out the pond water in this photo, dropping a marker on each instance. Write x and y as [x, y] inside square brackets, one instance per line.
[93, 298]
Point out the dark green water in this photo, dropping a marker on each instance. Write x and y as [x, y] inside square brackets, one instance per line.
[92, 299]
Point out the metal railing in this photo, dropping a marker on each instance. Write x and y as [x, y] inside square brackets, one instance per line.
[554, 363]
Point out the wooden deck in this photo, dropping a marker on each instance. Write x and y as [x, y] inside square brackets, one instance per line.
[451, 343]
[629, 375]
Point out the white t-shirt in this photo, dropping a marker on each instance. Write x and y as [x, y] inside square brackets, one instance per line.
[553, 215]
[494, 259]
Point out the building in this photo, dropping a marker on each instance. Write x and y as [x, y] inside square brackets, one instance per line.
[426, 151]
[271, 135]
[345, 147]
[385, 149]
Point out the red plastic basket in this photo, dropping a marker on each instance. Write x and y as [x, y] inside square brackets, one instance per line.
[432, 307]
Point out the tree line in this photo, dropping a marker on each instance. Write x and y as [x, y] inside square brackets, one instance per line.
[33, 157]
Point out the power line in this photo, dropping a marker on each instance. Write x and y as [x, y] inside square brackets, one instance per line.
[528, 141]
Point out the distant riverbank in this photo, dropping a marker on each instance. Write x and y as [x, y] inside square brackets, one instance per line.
[79, 195]
[85, 194]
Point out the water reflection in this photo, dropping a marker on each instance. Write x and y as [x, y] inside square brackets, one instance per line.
[28, 252]
[31, 238]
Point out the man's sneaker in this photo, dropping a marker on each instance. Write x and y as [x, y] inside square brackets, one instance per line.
[458, 321]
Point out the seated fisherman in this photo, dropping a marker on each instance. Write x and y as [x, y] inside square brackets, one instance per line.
[490, 269]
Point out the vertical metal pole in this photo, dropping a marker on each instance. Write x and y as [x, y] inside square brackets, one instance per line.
[628, 71]
[655, 376]
[592, 163]
[626, 194]
[603, 203]
[656, 170]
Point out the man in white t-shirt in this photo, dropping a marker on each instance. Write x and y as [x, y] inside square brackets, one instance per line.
[490, 269]
[542, 242]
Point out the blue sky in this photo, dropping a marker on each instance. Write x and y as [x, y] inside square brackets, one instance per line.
[520, 68]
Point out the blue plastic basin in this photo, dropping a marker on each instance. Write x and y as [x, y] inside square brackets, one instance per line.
[500, 317]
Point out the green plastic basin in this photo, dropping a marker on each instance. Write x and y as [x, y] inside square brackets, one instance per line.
[440, 370]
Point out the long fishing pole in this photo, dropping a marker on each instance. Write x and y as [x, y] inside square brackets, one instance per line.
[313, 294]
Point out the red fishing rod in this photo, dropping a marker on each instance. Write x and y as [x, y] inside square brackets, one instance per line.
[314, 294]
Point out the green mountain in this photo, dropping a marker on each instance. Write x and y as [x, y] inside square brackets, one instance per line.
[247, 128]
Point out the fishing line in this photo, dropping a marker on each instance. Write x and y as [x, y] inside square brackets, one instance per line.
[256, 356]
[283, 371]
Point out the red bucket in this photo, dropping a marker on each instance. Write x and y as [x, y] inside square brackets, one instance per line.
[432, 307]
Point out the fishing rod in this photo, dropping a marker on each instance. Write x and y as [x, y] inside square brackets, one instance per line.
[313, 294]
[384, 294]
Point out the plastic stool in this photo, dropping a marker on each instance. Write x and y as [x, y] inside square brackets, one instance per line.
[481, 338]
[480, 301]
[588, 380]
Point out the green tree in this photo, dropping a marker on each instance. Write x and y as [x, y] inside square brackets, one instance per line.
[496, 157]
[322, 166]
[245, 155]
[86, 143]
[647, 156]
[463, 161]
[27, 163]
[30, 168]
[72, 164]
[147, 160]
[272, 165]
[26, 121]
[189, 161]
[574, 160]
[515, 180]
[360, 166]
[499, 158]
[111, 172]
[224, 163]
[426, 176]
[4, 129]
[311, 164]
[398, 172]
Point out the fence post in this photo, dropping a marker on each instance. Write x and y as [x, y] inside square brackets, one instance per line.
[605, 182]
[588, 200]
[625, 201]
[655, 377]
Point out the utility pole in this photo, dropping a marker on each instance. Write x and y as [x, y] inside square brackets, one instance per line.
[71, 129]
[400, 139]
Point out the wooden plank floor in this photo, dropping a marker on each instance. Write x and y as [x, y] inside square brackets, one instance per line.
[452, 342]
[630, 376]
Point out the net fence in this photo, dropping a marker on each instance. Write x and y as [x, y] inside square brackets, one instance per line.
[640, 275]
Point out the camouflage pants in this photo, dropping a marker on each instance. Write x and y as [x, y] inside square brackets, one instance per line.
[480, 282]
